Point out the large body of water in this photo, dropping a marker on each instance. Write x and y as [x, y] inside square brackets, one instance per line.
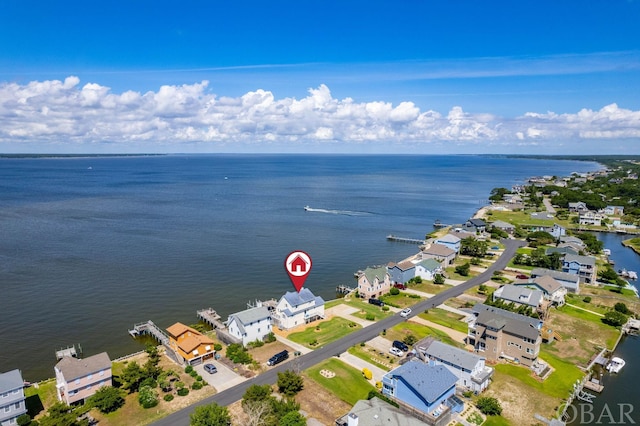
[90, 246]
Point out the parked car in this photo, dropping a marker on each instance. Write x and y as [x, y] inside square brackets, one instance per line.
[400, 345]
[395, 351]
[376, 302]
[278, 358]
[400, 286]
[210, 368]
[405, 312]
[522, 277]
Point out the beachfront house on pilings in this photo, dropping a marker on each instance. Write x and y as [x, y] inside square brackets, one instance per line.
[193, 346]
[250, 325]
[78, 379]
[582, 266]
[12, 400]
[373, 282]
[496, 333]
[294, 309]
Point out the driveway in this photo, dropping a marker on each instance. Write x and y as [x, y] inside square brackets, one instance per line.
[223, 379]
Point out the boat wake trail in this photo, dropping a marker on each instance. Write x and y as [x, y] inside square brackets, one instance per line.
[339, 212]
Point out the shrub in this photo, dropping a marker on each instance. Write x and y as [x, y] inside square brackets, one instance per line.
[394, 291]
[168, 397]
[196, 386]
[238, 353]
[489, 405]
[217, 347]
[193, 373]
[23, 420]
[270, 338]
[256, 343]
[199, 378]
[148, 398]
[313, 342]
[410, 339]
[587, 299]
[438, 279]
[289, 383]
[385, 308]
[367, 373]
[183, 392]
[370, 317]
[188, 369]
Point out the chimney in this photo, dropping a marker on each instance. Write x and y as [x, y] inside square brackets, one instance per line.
[352, 419]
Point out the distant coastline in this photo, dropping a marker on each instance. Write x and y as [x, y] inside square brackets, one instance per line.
[32, 156]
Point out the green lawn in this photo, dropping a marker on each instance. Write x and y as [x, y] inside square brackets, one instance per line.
[329, 331]
[576, 299]
[332, 303]
[348, 384]
[446, 318]
[400, 331]
[496, 421]
[371, 356]
[368, 308]
[401, 300]
[430, 288]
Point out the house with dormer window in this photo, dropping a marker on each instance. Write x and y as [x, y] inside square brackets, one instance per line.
[193, 346]
[373, 282]
[297, 308]
[250, 325]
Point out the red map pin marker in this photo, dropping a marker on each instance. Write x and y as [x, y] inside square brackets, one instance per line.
[298, 265]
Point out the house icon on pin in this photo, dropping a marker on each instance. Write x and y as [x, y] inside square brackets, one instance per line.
[298, 265]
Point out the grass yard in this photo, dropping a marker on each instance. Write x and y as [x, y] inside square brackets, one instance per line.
[430, 288]
[367, 308]
[329, 331]
[332, 303]
[348, 384]
[496, 421]
[401, 300]
[446, 318]
[577, 300]
[400, 331]
[369, 354]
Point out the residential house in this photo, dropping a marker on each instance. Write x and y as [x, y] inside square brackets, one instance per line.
[497, 333]
[504, 226]
[571, 282]
[426, 390]
[78, 379]
[558, 231]
[519, 296]
[427, 269]
[373, 282]
[451, 241]
[614, 210]
[12, 400]
[551, 289]
[583, 266]
[617, 223]
[297, 308]
[475, 225]
[590, 218]
[401, 272]
[578, 207]
[562, 249]
[575, 241]
[376, 412]
[440, 253]
[468, 367]
[193, 346]
[250, 325]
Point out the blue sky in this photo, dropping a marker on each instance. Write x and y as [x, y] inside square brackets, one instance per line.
[320, 76]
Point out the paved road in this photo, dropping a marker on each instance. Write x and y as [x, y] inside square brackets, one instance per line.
[303, 362]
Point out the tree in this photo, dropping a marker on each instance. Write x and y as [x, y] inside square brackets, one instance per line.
[438, 279]
[151, 368]
[259, 413]
[410, 339]
[394, 291]
[60, 414]
[489, 406]
[23, 420]
[293, 418]
[463, 269]
[210, 415]
[289, 383]
[131, 377]
[474, 248]
[622, 308]
[256, 393]
[283, 406]
[147, 397]
[614, 318]
[238, 353]
[107, 399]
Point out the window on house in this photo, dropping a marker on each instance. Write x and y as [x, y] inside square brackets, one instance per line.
[77, 381]
[101, 372]
[90, 376]
[7, 408]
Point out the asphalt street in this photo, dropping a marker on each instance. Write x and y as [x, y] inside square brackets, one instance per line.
[303, 362]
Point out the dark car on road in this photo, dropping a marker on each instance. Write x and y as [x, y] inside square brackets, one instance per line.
[210, 368]
[376, 302]
[278, 358]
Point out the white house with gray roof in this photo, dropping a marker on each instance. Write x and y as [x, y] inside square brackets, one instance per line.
[469, 368]
[294, 309]
[427, 269]
[78, 379]
[442, 254]
[450, 241]
[551, 289]
[582, 266]
[12, 400]
[519, 295]
[250, 325]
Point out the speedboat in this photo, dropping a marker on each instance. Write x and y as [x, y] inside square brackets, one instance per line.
[306, 208]
[615, 365]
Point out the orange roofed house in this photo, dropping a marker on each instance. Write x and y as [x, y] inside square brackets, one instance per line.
[190, 344]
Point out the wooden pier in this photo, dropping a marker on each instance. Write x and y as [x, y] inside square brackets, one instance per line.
[344, 290]
[210, 317]
[150, 328]
[71, 351]
[404, 240]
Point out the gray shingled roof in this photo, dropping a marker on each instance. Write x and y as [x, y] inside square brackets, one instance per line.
[438, 250]
[451, 354]
[510, 322]
[582, 260]
[546, 283]
[11, 380]
[376, 412]
[449, 239]
[558, 275]
[429, 381]
[295, 299]
[248, 316]
[73, 368]
[518, 294]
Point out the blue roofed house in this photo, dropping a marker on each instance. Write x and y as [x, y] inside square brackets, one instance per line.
[450, 241]
[426, 390]
[373, 282]
[582, 266]
[12, 400]
[294, 309]
[250, 325]
[401, 272]
[428, 268]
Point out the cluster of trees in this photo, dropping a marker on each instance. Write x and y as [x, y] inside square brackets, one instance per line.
[619, 316]
[539, 258]
[474, 248]
[238, 354]
[489, 405]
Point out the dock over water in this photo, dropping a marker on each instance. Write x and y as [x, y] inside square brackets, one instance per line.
[211, 317]
[391, 237]
[150, 328]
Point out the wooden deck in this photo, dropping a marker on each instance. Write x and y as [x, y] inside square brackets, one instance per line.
[404, 240]
[150, 328]
[211, 317]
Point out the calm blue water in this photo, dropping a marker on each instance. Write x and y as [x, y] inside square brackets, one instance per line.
[90, 246]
